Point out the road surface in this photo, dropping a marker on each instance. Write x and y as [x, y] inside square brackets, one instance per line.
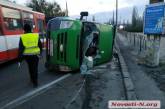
[57, 90]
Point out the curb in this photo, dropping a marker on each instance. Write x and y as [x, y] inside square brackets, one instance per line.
[128, 84]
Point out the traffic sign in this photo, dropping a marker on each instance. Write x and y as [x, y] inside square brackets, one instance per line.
[154, 19]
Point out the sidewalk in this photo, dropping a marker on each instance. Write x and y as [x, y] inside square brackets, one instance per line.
[108, 85]
[105, 85]
[145, 87]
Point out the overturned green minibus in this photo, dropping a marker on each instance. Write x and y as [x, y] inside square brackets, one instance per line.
[66, 39]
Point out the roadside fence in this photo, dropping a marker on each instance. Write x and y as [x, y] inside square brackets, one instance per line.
[136, 40]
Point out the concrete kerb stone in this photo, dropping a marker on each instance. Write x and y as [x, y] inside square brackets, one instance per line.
[131, 95]
[128, 84]
[126, 75]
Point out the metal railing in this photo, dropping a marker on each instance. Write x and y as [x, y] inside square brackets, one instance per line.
[137, 40]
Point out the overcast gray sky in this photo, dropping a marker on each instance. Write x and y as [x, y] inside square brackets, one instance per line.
[92, 6]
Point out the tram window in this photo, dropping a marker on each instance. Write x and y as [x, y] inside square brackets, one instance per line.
[40, 25]
[28, 18]
[12, 18]
[12, 24]
[27, 21]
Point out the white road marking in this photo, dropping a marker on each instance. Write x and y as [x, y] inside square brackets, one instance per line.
[33, 93]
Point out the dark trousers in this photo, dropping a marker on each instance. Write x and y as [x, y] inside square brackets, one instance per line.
[32, 62]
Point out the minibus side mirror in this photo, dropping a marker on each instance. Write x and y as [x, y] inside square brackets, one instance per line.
[83, 14]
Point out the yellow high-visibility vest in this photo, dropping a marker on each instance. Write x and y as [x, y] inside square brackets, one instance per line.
[30, 42]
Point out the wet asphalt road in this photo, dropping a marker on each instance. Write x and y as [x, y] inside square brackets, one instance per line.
[15, 83]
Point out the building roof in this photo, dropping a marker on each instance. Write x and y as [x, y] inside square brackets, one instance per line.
[14, 5]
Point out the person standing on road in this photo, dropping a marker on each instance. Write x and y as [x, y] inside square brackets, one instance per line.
[30, 48]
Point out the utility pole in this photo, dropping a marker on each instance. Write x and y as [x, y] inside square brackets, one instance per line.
[66, 11]
[116, 23]
[113, 18]
[116, 13]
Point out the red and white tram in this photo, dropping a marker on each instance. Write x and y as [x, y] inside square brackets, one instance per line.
[12, 19]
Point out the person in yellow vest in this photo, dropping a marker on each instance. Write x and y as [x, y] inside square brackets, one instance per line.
[30, 48]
